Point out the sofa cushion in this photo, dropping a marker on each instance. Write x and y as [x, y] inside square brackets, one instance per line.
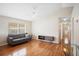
[19, 38]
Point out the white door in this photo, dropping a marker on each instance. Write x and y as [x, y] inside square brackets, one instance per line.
[76, 35]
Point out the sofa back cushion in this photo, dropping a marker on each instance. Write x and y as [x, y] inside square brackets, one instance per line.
[16, 36]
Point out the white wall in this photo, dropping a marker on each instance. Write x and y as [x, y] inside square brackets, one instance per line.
[49, 25]
[75, 29]
[4, 26]
[3, 29]
[75, 35]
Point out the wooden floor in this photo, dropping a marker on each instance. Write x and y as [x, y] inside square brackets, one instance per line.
[33, 48]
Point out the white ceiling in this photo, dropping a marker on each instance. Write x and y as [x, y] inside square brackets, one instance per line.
[30, 11]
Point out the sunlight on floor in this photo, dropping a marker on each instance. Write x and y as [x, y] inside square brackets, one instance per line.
[21, 52]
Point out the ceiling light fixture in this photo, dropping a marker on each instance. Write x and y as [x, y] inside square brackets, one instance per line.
[34, 10]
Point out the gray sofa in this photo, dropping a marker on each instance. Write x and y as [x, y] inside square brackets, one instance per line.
[17, 39]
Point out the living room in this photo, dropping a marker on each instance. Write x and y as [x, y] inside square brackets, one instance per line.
[37, 29]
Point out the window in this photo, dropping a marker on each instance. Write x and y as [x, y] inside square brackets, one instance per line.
[16, 28]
